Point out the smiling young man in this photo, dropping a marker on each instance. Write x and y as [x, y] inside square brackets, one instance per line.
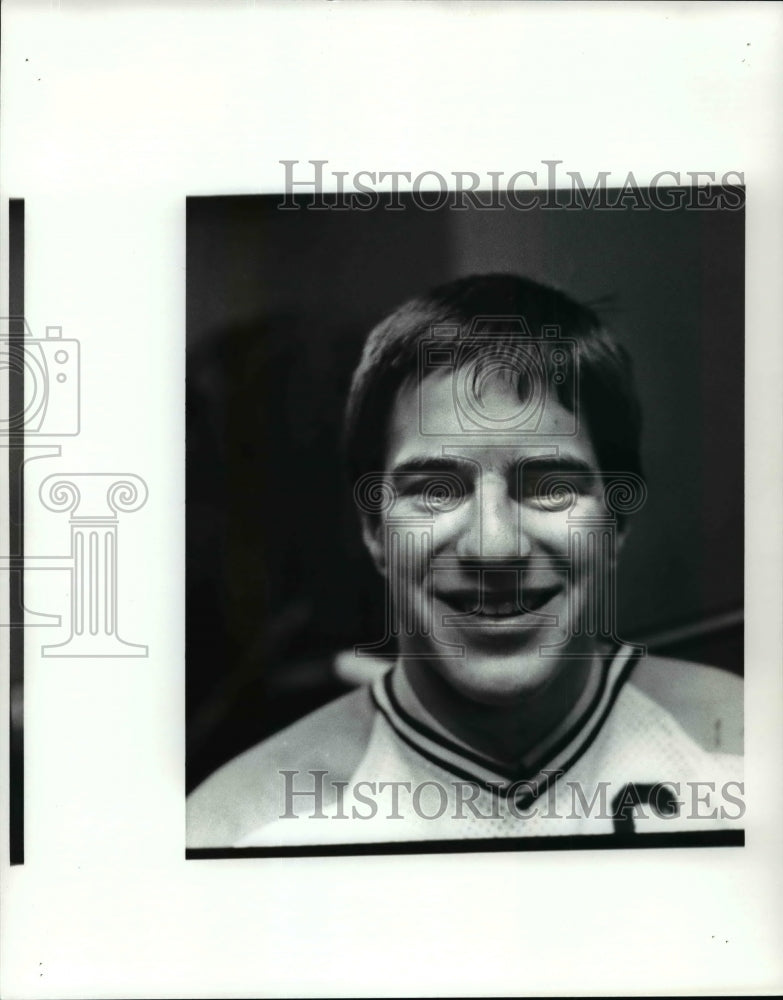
[492, 439]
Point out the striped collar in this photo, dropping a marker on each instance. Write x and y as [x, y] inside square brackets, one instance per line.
[553, 755]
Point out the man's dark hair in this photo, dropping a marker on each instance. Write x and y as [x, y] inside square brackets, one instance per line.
[605, 391]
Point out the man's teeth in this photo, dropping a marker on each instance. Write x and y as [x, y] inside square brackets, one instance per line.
[502, 607]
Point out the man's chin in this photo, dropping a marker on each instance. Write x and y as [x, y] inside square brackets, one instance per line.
[498, 680]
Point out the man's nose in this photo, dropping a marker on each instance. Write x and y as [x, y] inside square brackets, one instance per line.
[495, 528]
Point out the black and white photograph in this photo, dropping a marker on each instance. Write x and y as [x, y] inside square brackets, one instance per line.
[390, 551]
[419, 440]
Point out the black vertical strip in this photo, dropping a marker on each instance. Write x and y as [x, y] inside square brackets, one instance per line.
[16, 524]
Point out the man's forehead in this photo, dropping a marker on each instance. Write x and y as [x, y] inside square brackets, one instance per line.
[429, 420]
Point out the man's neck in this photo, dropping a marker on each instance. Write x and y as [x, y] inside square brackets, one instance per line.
[503, 732]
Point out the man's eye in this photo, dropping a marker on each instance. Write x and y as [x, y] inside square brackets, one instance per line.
[553, 493]
[437, 493]
[441, 497]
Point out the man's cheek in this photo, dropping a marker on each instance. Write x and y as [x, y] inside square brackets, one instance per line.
[408, 557]
[552, 530]
[446, 530]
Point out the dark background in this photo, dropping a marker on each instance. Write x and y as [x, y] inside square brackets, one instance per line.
[278, 305]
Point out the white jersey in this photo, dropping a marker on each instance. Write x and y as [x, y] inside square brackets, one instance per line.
[366, 769]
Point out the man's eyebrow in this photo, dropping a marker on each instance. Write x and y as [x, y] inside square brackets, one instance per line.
[557, 464]
[537, 465]
[433, 463]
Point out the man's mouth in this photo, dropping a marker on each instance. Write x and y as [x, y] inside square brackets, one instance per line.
[499, 605]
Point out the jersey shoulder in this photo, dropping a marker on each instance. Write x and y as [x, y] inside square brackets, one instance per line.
[707, 702]
[247, 792]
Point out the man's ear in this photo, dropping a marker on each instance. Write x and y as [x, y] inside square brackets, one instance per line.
[373, 537]
[621, 534]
